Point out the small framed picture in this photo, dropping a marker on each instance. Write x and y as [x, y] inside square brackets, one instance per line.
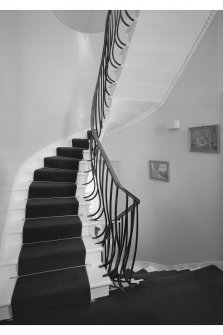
[159, 170]
[204, 139]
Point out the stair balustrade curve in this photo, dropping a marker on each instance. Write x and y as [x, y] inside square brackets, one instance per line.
[116, 206]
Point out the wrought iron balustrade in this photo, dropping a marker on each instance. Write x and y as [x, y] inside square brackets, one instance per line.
[117, 206]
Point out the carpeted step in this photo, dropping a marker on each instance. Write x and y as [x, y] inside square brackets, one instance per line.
[62, 162]
[51, 207]
[52, 228]
[50, 174]
[156, 274]
[80, 143]
[45, 189]
[58, 288]
[45, 256]
[193, 298]
[70, 152]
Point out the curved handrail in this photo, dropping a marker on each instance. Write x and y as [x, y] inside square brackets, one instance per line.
[115, 178]
[120, 234]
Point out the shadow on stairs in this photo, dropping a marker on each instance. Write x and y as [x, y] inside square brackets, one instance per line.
[163, 298]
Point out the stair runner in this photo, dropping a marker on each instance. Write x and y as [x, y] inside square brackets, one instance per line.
[51, 262]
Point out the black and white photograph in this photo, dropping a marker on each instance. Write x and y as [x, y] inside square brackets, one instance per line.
[111, 165]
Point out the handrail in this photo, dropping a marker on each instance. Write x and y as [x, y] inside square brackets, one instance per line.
[115, 178]
[120, 234]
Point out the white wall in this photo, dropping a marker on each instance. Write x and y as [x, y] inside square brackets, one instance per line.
[48, 75]
[180, 221]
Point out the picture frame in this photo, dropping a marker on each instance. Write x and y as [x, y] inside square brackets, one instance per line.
[204, 139]
[159, 170]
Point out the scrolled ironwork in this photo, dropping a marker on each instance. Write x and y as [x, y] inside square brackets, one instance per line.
[117, 206]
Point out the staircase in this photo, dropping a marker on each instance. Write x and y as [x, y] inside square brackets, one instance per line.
[58, 261]
[51, 256]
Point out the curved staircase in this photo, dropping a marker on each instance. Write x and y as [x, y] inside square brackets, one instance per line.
[58, 261]
[52, 257]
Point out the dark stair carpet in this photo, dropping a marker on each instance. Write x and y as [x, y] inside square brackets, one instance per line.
[188, 298]
[155, 274]
[44, 189]
[45, 256]
[62, 162]
[53, 174]
[70, 152]
[52, 228]
[42, 207]
[80, 143]
[51, 264]
[57, 288]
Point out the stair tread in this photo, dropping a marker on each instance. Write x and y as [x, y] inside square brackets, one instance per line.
[50, 255]
[8, 256]
[51, 189]
[62, 287]
[52, 169]
[62, 162]
[54, 200]
[51, 228]
[44, 207]
[95, 276]
[55, 174]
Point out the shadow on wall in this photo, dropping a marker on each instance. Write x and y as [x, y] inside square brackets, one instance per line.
[81, 95]
[5, 194]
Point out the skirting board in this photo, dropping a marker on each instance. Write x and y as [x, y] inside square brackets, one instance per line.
[149, 266]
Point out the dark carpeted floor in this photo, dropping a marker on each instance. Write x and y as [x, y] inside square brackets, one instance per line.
[183, 298]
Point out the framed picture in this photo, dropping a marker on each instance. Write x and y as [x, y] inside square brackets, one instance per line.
[159, 170]
[204, 139]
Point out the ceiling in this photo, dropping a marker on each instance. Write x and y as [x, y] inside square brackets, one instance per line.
[85, 21]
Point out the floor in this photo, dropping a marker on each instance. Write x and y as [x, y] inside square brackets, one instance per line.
[187, 298]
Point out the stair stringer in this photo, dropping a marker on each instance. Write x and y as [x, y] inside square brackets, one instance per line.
[13, 229]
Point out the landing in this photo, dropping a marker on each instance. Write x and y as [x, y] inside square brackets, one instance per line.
[187, 297]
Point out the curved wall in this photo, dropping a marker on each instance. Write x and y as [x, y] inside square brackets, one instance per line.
[48, 76]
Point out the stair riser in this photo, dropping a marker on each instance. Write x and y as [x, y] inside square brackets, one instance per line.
[5, 313]
[93, 258]
[84, 166]
[99, 292]
[12, 268]
[23, 201]
[27, 178]
[16, 238]
[86, 155]
[18, 214]
[21, 194]
[81, 178]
